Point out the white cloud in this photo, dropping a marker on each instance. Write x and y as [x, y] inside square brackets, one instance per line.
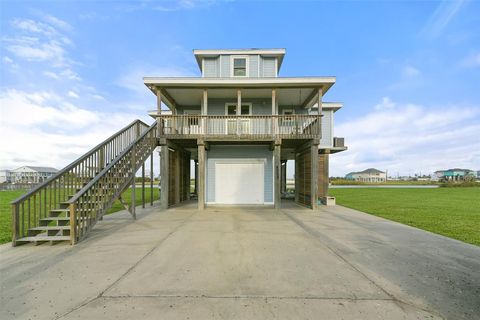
[7, 60]
[51, 74]
[385, 104]
[409, 71]
[73, 94]
[410, 138]
[59, 23]
[37, 41]
[47, 130]
[441, 17]
[33, 26]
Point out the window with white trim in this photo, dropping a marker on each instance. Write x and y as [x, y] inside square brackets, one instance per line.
[239, 67]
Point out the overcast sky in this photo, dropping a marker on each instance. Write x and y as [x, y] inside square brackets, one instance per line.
[408, 73]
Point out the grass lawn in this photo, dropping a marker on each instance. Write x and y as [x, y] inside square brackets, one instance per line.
[452, 212]
[6, 212]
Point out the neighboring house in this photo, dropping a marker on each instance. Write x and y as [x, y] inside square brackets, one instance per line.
[240, 122]
[456, 174]
[29, 174]
[5, 176]
[368, 175]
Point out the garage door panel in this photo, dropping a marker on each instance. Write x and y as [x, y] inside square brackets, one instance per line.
[239, 183]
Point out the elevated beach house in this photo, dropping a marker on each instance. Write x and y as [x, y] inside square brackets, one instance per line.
[237, 126]
[241, 123]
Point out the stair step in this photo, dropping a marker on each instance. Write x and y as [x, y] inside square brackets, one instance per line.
[44, 238]
[59, 210]
[56, 218]
[46, 228]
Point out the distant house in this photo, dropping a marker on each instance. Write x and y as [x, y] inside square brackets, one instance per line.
[456, 174]
[29, 174]
[368, 175]
[5, 176]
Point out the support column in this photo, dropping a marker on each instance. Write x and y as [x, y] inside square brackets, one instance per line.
[164, 176]
[297, 177]
[151, 179]
[239, 109]
[201, 174]
[274, 112]
[178, 176]
[284, 177]
[277, 170]
[204, 112]
[143, 185]
[195, 167]
[323, 174]
[133, 205]
[314, 174]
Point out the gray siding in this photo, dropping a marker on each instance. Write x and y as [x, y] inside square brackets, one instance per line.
[210, 67]
[253, 66]
[268, 67]
[327, 130]
[225, 66]
[239, 152]
[258, 66]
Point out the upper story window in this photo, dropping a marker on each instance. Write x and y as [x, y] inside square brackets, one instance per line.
[239, 67]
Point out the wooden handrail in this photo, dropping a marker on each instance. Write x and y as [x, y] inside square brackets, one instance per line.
[76, 162]
[91, 202]
[36, 204]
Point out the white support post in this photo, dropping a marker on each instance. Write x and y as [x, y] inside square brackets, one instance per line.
[239, 109]
[274, 112]
[205, 103]
[201, 174]
[320, 94]
[274, 102]
[204, 111]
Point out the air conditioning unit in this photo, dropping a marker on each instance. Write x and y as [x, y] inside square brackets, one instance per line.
[338, 142]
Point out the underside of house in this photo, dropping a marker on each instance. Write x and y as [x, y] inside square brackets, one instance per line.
[232, 131]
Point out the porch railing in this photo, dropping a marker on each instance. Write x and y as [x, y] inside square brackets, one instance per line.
[258, 126]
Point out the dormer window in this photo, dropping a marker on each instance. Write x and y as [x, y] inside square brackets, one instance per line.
[239, 67]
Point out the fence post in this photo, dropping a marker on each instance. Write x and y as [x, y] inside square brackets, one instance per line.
[133, 195]
[73, 224]
[101, 160]
[14, 224]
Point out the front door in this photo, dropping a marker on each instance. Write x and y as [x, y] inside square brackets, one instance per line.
[243, 124]
[192, 124]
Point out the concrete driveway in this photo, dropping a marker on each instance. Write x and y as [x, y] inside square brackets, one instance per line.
[336, 263]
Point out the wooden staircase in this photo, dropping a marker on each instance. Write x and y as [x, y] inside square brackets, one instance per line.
[67, 206]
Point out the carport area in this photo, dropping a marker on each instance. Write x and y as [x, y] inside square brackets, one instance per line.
[244, 263]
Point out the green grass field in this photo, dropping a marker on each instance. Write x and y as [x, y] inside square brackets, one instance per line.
[452, 212]
[7, 196]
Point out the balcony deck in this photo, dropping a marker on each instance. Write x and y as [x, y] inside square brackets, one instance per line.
[251, 127]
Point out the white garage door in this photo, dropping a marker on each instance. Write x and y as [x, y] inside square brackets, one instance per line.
[239, 183]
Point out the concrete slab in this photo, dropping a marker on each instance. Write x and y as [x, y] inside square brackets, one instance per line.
[244, 263]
